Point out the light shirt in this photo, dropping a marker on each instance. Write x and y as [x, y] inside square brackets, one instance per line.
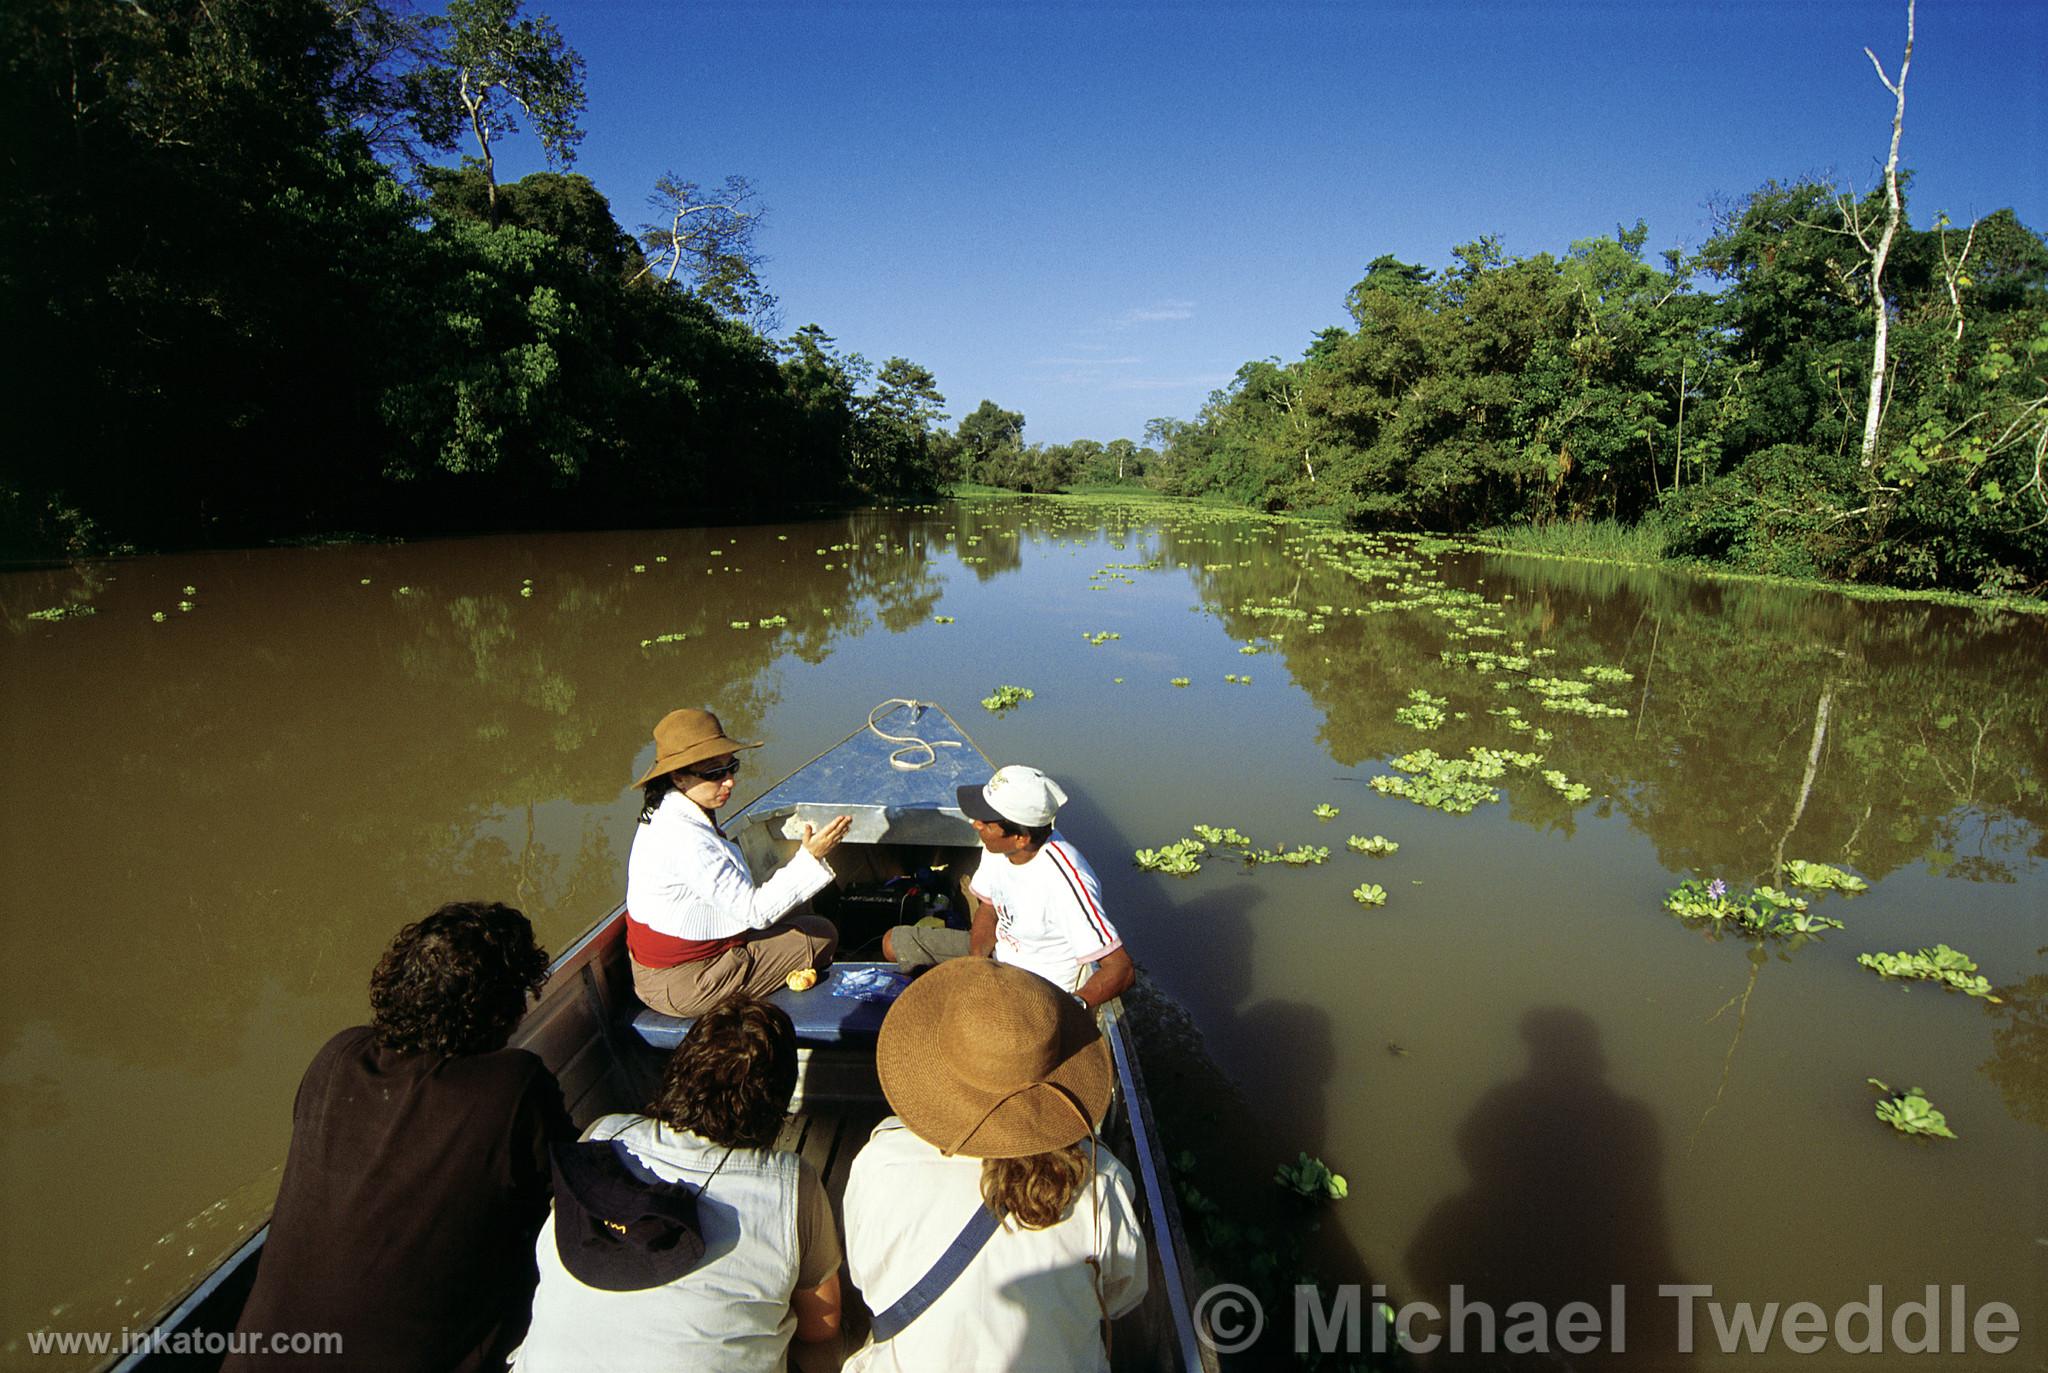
[687, 881]
[732, 1311]
[1048, 912]
[1026, 1302]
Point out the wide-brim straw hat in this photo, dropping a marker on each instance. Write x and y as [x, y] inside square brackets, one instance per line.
[688, 736]
[987, 1060]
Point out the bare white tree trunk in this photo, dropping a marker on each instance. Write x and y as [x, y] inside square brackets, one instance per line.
[1892, 214]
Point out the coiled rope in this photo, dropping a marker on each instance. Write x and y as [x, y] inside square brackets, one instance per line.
[911, 743]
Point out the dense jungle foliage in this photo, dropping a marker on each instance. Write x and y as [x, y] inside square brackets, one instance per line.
[243, 305]
[1718, 399]
[248, 306]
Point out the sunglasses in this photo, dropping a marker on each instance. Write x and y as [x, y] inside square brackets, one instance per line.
[717, 774]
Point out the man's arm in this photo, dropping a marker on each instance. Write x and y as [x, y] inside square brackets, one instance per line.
[817, 1311]
[1114, 974]
[981, 930]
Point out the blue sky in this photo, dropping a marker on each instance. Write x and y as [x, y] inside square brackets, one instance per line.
[1093, 213]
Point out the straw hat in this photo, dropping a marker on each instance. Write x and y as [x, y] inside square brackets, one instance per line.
[992, 1061]
[688, 736]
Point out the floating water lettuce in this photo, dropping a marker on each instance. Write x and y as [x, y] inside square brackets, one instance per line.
[1379, 846]
[1180, 858]
[1181, 681]
[1325, 811]
[1764, 911]
[672, 637]
[1950, 967]
[1099, 638]
[1564, 786]
[942, 619]
[1311, 1178]
[1821, 877]
[1006, 697]
[1369, 894]
[76, 610]
[1424, 712]
[1910, 1112]
[1221, 834]
[1452, 785]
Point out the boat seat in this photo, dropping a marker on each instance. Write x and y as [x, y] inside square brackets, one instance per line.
[821, 1017]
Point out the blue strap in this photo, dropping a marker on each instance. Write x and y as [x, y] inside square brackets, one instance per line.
[929, 1288]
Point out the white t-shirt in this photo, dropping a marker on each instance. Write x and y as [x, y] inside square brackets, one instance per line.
[1048, 912]
[1025, 1303]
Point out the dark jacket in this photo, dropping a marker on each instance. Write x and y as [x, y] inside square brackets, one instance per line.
[406, 1218]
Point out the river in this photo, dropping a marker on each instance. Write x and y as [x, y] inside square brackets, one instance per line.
[228, 785]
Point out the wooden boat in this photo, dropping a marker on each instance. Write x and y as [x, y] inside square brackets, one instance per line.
[895, 777]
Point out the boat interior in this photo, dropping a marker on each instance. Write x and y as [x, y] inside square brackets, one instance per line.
[608, 1052]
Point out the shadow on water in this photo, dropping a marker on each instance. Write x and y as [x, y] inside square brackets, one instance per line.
[1565, 1201]
[1244, 1228]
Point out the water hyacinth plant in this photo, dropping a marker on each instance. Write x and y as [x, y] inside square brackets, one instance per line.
[1910, 1112]
[1952, 968]
[1379, 846]
[1311, 1178]
[1424, 711]
[1006, 697]
[1182, 858]
[1765, 911]
[1369, 894]
[1574, 792]
[1821, 877]
[1325, 811]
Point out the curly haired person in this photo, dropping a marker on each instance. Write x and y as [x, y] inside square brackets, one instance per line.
[761, 1262]
[419, 1171]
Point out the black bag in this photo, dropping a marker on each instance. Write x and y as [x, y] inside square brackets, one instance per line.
[617, 1228]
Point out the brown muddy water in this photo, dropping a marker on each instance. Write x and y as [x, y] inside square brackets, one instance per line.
[1536, 1081]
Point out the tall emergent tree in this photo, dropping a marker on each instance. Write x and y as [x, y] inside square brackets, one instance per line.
[712, 235]
[494, 60]
[1881, 250]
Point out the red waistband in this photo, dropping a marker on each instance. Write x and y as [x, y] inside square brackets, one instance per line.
[650, 948]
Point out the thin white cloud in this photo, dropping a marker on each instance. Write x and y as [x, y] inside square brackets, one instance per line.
[1156, 313]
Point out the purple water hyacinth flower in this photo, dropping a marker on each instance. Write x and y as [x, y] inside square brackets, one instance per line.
[1716, 889]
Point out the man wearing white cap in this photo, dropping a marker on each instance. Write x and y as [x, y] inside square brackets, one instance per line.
[1037, 903]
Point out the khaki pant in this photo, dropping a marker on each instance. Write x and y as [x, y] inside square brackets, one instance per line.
[920, 946]
[760, 965]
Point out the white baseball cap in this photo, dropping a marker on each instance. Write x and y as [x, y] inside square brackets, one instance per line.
[1022, 795]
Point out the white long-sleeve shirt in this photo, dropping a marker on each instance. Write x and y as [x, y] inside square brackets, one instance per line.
[687, 881]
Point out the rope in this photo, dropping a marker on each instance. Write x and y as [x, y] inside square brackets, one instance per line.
[911, 743]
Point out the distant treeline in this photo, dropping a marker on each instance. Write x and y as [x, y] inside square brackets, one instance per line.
[1718, 400]
[244, 305]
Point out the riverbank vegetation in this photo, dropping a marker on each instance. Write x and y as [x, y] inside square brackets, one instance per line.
[1707, 408]
[251, 306]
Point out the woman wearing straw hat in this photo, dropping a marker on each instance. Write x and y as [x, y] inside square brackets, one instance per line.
[984, 1225]
[697, 928]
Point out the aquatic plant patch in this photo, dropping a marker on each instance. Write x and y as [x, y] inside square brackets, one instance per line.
[1910, 1112]
[1452, 785]
[1181, 858]
[1310, 1177]
[1006, 697]
[1821, 877]
[1424, 711]
[1369, 894]
[1764, 911]
[76, 610]
[1952, 968]
[1325, 811]
[1574, 792]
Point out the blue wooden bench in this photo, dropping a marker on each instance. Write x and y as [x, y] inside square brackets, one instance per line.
[822, 1018]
